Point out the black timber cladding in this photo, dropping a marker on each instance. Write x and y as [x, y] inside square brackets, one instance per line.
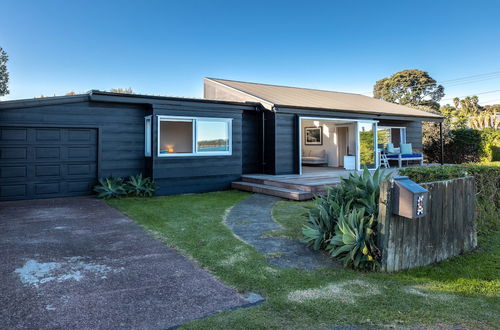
[190, 174]
[118, 123]
[116, 134]
[252, 140]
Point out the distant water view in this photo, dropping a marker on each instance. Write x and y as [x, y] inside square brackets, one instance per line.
[213, 148]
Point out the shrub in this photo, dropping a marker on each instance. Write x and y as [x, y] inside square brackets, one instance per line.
[461, 145]
[139, 186]
[465, 146]
[422, 174]
[354, 240]
[323, 218]
[352, 204]
[111, 187]
[134, 186]
[487, 179]
[490, 143]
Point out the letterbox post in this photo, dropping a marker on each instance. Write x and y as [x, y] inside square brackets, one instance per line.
[410, 199]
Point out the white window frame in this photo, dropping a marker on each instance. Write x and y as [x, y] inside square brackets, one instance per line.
[195, 120]
[374, 124]
[147, 135]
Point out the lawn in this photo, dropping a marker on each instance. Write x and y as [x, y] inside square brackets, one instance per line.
[463, 291]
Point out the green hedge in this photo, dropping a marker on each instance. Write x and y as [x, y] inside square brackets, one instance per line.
[464, 146]
[487, 179]
[490, 145]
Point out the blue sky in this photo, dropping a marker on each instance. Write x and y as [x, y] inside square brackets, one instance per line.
[167, 47]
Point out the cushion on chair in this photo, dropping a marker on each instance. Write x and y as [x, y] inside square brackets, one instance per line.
[390, 148]
[406, 148]
[413, 155]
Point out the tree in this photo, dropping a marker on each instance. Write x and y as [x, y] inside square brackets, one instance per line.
[122, 90]
[410, 87]
[467, 113]
[4, 74]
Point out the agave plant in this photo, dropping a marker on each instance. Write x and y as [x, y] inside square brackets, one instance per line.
[322, 219]
[363, 190]
[111, 187]
[344, 221]
[354, 241]
[139, 186]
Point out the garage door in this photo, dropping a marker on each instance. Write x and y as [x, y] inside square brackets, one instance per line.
[47, 162]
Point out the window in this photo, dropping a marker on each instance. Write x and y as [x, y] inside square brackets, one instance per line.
[212, 136]
[185, 136]
[147, 136]
[176, 137]
[394, 135]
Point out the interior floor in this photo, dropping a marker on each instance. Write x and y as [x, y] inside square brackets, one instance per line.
[316, 169]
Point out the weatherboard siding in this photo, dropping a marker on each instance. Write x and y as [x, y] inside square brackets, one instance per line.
[192, 174]
[120, 130]
[251, 142]
[286, 146]
[120, 145]
[269, 142]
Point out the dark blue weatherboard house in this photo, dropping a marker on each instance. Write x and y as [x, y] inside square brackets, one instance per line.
[59, 146]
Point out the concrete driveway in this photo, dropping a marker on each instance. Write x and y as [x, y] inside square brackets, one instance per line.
[76, 263]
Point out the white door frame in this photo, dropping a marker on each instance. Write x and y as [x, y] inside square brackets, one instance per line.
[375, 143]
[356, 121]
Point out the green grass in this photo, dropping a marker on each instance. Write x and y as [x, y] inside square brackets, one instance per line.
[289, 216]
[462, 291]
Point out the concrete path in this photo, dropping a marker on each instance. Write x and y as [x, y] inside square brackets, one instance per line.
[76, 263]
[252, 218]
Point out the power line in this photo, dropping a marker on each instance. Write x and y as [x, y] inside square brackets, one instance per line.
[494, 100]
[476, 75]
[471, 81]
[475, 94]
[462, 80]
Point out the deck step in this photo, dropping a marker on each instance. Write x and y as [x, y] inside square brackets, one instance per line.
[311, 187]
[278, 184]
[297, 195]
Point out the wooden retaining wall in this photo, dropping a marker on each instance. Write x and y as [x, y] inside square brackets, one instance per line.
[447, 230]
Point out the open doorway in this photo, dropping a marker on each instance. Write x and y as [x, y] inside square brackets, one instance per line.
[336, 144]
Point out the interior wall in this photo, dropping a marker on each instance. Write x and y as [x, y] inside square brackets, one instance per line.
[177, 135]
[329, 138]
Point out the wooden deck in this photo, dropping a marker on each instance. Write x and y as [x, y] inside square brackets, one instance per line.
[313, 181]
[294, 186]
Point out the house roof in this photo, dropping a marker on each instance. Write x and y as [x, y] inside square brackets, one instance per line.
[284, 96]
[96, 95]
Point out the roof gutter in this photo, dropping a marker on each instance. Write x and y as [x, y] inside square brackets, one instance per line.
[436, 118]
[147, 99]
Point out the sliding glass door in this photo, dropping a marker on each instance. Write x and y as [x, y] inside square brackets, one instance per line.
[367, 153]
[394, 135]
